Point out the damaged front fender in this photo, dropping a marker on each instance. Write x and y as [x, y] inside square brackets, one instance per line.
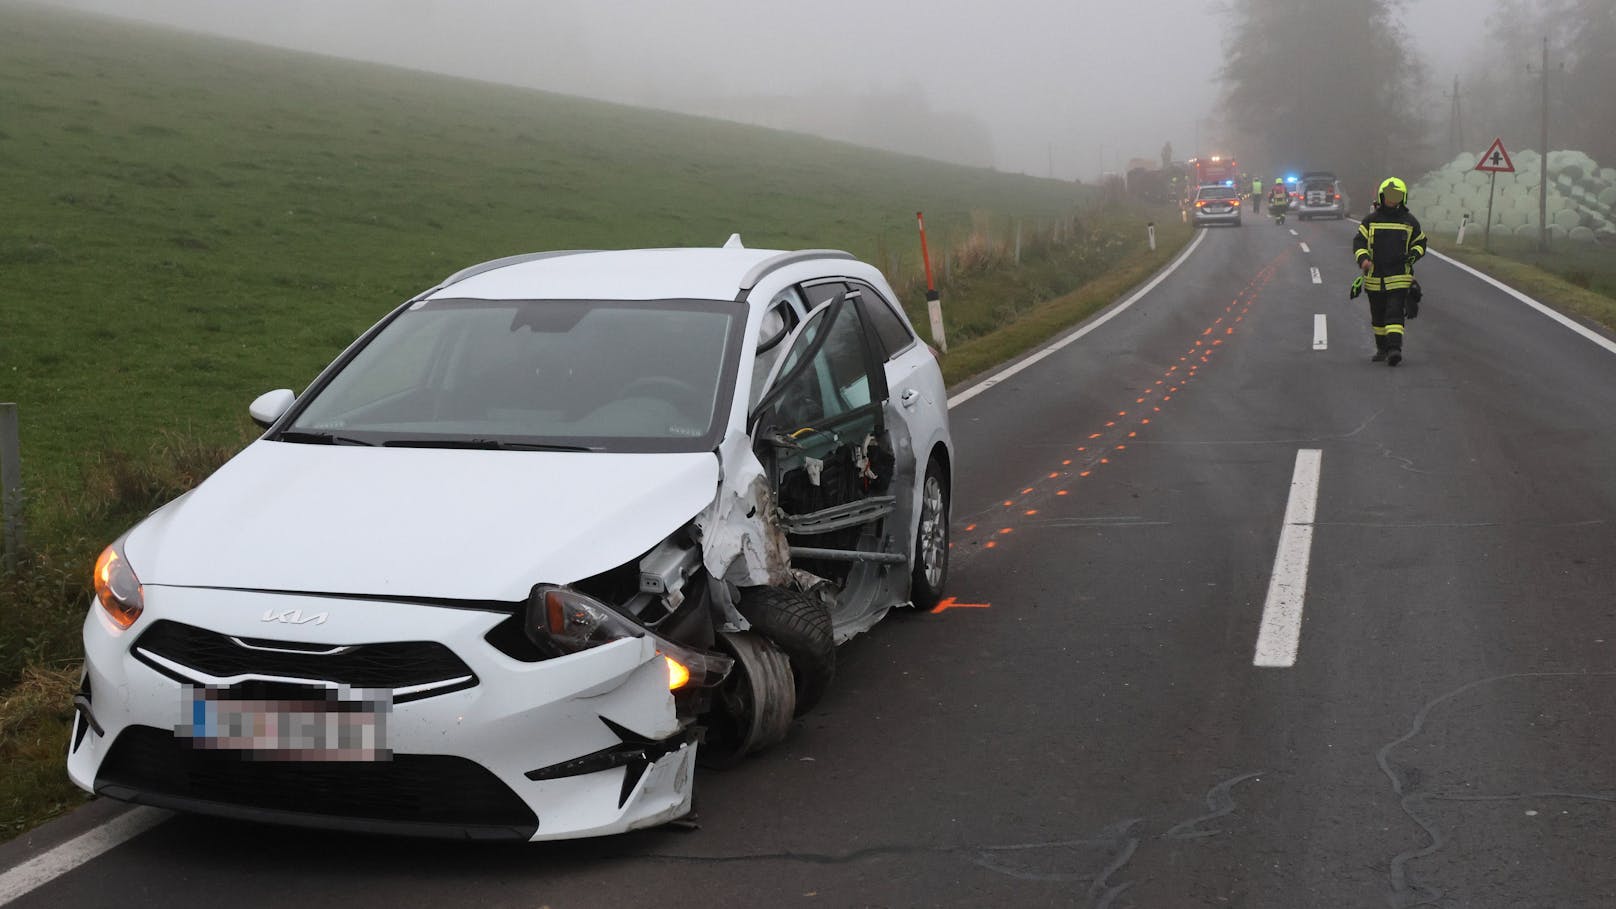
[741, 539]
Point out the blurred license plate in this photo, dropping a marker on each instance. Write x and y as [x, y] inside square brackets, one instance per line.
[297, 730]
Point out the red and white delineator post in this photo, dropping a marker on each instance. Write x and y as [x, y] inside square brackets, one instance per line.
[934, 303]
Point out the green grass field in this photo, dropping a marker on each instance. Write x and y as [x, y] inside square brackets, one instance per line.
[193, 221]
[189, 222]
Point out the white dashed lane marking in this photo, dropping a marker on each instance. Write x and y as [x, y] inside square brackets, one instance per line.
[1281, 631]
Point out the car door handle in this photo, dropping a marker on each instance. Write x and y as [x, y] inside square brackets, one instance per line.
[909, 397]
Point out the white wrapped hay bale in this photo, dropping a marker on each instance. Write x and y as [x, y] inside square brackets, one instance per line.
[1529, 231]
[1582, 235]
[1567, 219]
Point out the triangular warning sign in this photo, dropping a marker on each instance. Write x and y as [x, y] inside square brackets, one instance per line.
[1496, 160]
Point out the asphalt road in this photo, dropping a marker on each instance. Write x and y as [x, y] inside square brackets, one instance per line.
[1092, 731]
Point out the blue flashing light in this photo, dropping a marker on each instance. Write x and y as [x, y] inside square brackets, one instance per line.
[1290, 179]
[1228, 182]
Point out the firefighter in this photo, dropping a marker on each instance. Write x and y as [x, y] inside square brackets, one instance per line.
[1388, 243]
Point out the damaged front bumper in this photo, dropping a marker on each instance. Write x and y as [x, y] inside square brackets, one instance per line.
[472, 742]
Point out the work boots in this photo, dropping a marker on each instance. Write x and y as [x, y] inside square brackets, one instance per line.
[1380, 349]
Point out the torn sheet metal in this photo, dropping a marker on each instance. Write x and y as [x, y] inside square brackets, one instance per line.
[741, 540]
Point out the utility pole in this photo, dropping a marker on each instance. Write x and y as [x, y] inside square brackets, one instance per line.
[1455, 123]
[1543, 163]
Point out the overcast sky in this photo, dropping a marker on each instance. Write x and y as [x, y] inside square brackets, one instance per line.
[1078, 84]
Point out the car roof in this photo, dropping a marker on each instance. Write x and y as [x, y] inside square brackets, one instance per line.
[628, 274]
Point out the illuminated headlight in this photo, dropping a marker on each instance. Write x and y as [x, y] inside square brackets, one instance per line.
[117, 588]
[569, 621]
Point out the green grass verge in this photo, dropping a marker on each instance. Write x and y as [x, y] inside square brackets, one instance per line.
[192, 222]
[1563, 279]
[1037, 322]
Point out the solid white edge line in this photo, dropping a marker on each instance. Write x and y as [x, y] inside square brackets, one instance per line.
[1281, 630]
[1062, 342]
[1570, 323]
[47, 866]
[1305, 248]
[1317, 278]
[1321, 335]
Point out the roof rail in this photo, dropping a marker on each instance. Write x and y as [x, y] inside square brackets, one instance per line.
[774, 263]
[474, 270]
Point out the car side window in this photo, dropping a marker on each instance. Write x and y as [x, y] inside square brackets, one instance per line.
[889, 327]
[837, 380]
[822, 292]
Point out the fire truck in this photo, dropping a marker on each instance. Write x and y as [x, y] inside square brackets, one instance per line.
[1214, 171]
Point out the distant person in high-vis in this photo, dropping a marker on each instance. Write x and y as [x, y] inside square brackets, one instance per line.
[1387, 245]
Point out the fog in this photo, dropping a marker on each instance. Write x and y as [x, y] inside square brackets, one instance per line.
[1038, 86]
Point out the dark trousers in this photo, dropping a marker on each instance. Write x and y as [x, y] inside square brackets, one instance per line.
[1386, 317]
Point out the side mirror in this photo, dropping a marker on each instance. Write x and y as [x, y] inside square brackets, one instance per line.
[269, 406]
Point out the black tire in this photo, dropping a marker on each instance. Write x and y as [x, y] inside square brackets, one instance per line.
[930, 573]
[799, 625]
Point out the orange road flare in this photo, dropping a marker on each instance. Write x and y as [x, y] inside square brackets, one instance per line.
[1027, 490]
[1085, 473]
[1053, 475]
[1061, 493]
[1031, 512]
[969, 527]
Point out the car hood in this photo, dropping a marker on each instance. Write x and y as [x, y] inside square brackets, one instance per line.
[418, 522]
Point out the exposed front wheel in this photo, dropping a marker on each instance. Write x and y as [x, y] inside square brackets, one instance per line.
[801, 626]
[931, 540]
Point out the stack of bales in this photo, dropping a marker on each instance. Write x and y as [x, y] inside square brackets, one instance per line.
[1581, 201]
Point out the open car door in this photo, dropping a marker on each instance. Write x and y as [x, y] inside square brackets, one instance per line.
[820, 430]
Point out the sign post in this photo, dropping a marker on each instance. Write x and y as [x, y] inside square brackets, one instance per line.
[1494, 162]
[934, 303]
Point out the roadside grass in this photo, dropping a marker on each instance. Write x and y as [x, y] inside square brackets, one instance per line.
[36, 717]
[1037, 303]
[194, 221]
[1576, 280]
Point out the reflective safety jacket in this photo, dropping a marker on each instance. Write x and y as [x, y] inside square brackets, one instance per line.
[1390, 238]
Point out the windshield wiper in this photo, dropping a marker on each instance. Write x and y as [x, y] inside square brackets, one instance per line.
[319, 438]
[489, 444]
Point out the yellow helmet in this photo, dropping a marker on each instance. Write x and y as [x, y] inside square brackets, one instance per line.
[1396, 185]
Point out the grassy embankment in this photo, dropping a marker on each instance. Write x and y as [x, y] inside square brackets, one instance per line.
[1574, 278]
[191, 222]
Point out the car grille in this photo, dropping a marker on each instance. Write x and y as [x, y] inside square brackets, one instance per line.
[396, 665]
[153, 766]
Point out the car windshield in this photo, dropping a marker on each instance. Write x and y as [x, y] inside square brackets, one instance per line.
[569, 374]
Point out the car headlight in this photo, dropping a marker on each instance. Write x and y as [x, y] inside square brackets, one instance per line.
[568, 621]
[117, 588]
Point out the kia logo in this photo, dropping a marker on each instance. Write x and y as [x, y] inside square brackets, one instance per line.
[295, 617]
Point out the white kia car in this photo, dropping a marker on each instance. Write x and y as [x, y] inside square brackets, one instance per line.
[531, 543]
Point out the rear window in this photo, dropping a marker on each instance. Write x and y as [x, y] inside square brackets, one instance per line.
[1327, 186]
[1218, 192]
